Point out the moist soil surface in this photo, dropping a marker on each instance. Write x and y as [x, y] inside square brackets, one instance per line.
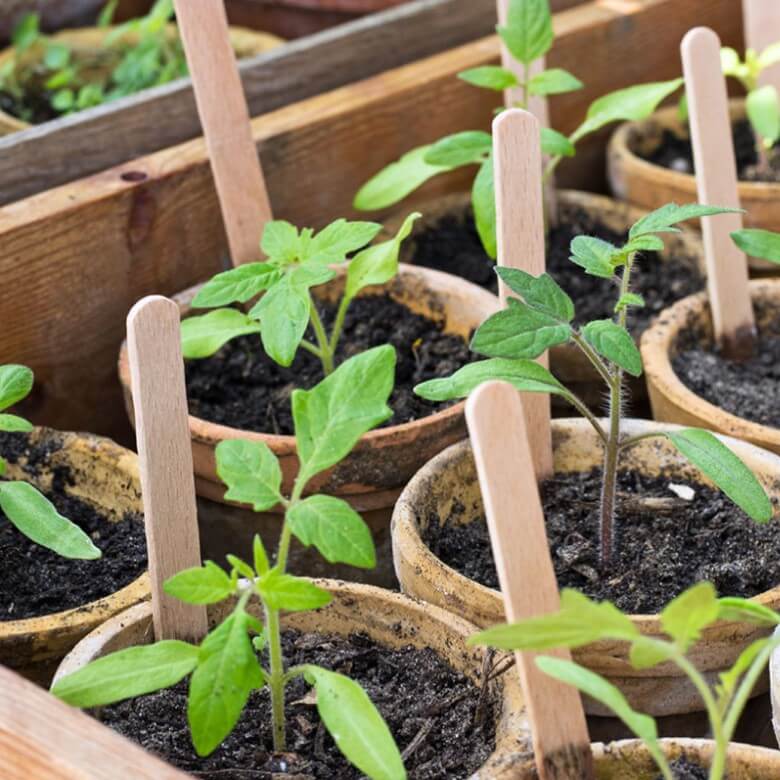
[37, 581]
[685, 769]
[241, 387]
[676, 153]
[664, 544]
[748, 389]
[453, 245]
[432, 711]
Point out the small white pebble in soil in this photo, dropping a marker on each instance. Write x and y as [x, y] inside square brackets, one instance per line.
[685, 492]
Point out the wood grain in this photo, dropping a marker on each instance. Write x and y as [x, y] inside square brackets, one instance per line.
[224, 116]
[521, 243]
[762, 28]
[716, 181]
[42, 738]
[499, 439]
[165, 461]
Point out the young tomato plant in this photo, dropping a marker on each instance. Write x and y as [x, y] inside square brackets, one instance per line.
[582, 621]
[329, 420]
[28, 510]
[528, 35]
[542, 316]
[297, 261]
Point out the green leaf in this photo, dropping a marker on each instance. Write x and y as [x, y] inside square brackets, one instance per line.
[392, 184]
[628, 299]
[630, 104]
[540, 292]
[284, 313]
[56, 55]
[716, 461]
[281, 241]
[665, 219]
[526, 375]
[26, 32]
[483, 201]
[746, 611]
[594, 255]
[294, 594]
[645, 243]
[251, 472]
[260, 555]
[489, 77]
[238, 284]
[333, 243]
[685, 617]
[729, 679]
[239, 566]
[207, 584]
[519, 332]
[528, 33]
[14, 424]
[63, 100]
[355, 724]
[15, 384]
[227, 672]
[333, 415]
[645, 653]
[202, 336]
[615, 344]
[763, 110]
[556, 144]
[128, 673]
[758, 243]
[466, 148]
[554, 81]
[335, 529]
[107, 14]
[729, 61]
[37, 518]
[61, 79]
[378, 264]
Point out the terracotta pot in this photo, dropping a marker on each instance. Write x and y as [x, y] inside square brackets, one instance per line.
[651, 186]
[567, 361]
[376, 470]
[450, 480]
[106, 476]
[390, 618]
[88, 40]
[671, 400]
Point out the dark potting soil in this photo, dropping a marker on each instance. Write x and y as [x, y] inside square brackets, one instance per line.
[684, 768]
[664, 544]
[748, 389]
[434, 713]
[33, 107]
[453, 246]
[675, 152]
[240, 386]
[37, 581]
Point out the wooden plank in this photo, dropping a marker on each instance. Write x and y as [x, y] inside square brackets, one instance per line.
[45, 739]
[74, 260]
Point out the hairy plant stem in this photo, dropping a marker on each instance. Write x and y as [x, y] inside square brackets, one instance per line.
[338, 325]
[326, 355]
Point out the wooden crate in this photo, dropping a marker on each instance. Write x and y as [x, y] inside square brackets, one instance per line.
[73, 260]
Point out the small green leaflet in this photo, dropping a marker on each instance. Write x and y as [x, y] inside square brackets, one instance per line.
[392, 184]
[646, 243]
[251, 472]
[56, 55]
[237, 285]
[294, 594]
[281, 241]
[26, 32]
[37, 518]
[13, 424]
[207, 584]
[483, 201]
[666, 218]
[355, 724]
[526, 375]
[763, 110]
[628, 299]
[128, 673]
[556, 144]
[466, 148]
[615, 344]
[554, 81]
[716, 461]
[15, 384]
[540, 292]
[333, 243]
[202, 336]
[333, 415]
[489, 77]
[594, 255]
[335, 529]
[747, 611]
[259, 555]
[685, 617]
[758, 243]
[528, 33]
[284, 315]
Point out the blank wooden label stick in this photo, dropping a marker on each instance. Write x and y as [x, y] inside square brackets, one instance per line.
[165, 456]
[496, 423]
[762, 28]
[716, 180]
[224, 115]
[521, 241]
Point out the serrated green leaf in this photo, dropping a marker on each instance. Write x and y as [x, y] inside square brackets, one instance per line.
[281, 241]
[489, 77]
[528, 33]
[615, 344]
[355, 724]
[393, 183]
[294, 594]
[251, 472]
[763, 244]
[763, 110]
[37, 518]
[746, 611]
[13, 424]
[554, 81]
[539, 292]
[483, 201]
[335, 529]
[594, 255]
[207, 584]
[16, 382]
[128, 673]
[237, 285]
[665, 219]
[716, 461]
[333, 415]
[686, 616]
[259, 555]
[333, 243]
[204, 335]
[556, 144]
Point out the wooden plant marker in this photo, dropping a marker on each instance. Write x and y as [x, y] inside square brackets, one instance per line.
[521, 242]
[499, 438]
[762, 28]
[165, 456]
[224, 115]
[716, 180]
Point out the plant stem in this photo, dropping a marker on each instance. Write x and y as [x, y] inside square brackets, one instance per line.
[326, 355]
[277, 678]
[309, 347]
[338, 324]
[627, 443]
[525, 87]
[588, 415]
[592, 356]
